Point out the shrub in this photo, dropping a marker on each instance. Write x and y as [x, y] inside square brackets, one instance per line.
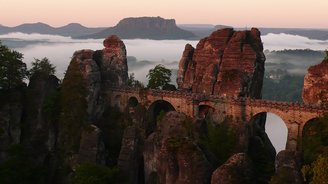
[220, 141]
[90, 173]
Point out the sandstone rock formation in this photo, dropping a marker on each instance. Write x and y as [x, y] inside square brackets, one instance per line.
[315, 89]
[129, 157]
[171, 157]
[237, 170]
[89, 145]
[27, 126]
[38, 123]
[102, 69]
[288, 167]
[11, 111]
[227, 63]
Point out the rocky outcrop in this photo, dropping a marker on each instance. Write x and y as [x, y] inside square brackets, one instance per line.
[41, 93]
[102, 69]
[89, 145]
[11, 111]
[315, 89]
[236, 170]
[288, 167]
[227, 63]
[28, 126]
[129, 157]
[171, 157]
[155, 28]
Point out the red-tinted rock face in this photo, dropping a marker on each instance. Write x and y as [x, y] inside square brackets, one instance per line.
[170, 156]
[102, 68]
[227, 63]
[315, 89]
[113, 65]
[236, 170]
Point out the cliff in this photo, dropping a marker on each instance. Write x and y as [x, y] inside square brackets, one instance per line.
[101, 69]
[28, 131]
[315, 89]
[227, 63]
[155, 28]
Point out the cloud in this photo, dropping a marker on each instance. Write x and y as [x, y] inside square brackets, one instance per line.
[59, 49]
[46, 38]
[286, 41]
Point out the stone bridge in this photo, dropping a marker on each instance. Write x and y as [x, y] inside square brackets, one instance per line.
[294, 115]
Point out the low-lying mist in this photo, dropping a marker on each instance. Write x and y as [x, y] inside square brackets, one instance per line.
[148, 53]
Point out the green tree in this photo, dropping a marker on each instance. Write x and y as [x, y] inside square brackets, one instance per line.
[320, 170]
[326, 57]
[158, 77]
[89, 173]
[43, 67]
[132, 82]
[12, 69]
[220, 140]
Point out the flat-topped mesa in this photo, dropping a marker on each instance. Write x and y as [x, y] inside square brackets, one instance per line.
[315, 89]
[227, 63]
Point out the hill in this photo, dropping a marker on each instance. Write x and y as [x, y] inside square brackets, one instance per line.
[72, 30]
[156, 28]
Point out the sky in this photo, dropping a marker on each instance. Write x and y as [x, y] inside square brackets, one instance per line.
[105, 13]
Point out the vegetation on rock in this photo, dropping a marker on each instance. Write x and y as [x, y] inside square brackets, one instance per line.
[20, 168]
[113, 124]
[320, 170]
[326, 57]
[315, 150]
[219, 140]
[89, 173]
[74, 106]
[42, 67]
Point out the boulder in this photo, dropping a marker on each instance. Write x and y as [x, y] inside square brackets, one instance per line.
[236, 170]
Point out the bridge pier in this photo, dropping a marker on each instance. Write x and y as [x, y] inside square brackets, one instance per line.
[195, 106]
[293, 136]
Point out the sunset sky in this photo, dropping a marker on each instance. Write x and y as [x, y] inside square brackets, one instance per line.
[238, 13]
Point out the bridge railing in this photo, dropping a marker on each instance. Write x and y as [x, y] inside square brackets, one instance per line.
[223, 99]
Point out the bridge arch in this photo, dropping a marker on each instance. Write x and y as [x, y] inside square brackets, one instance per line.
[155, 110]
[204, 110]
[133, 101]
[274, 126]
[159, 105]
